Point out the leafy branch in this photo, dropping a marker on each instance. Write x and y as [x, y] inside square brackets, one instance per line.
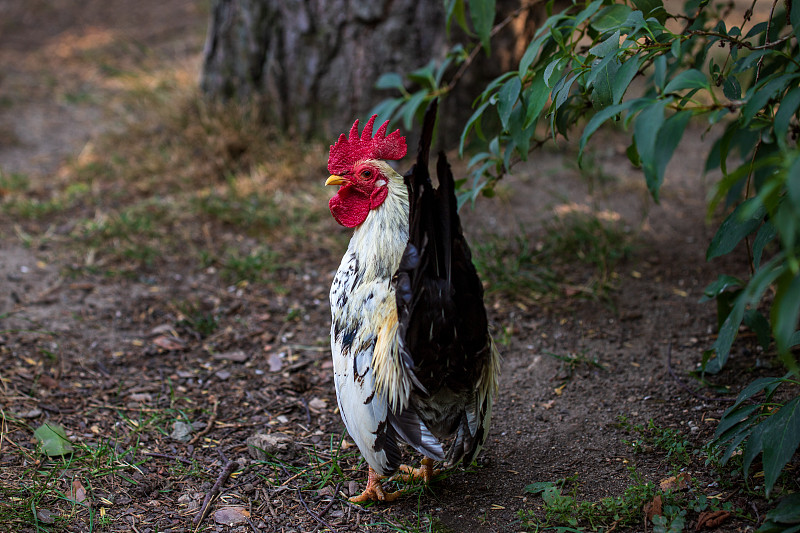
[576, 74]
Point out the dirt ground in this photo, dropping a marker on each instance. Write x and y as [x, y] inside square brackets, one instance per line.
[119, 359]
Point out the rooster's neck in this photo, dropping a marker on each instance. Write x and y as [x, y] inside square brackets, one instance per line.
[378, 243]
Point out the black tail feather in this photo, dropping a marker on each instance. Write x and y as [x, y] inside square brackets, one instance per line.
[442, 318]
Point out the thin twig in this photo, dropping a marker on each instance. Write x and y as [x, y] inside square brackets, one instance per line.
[170, 457]
[686, 387]
[308, 411]
[252, 525]
[228, 468]
[495, 30]
[313, 515]
[333, 500]
[209, 424]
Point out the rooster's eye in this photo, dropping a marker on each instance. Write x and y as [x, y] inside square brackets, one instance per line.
[366, 174]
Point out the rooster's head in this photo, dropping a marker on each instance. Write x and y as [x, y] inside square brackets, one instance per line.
[356, 162]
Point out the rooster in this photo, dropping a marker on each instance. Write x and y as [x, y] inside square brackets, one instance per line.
[413, 359]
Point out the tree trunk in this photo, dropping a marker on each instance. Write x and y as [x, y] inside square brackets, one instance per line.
[314, 63]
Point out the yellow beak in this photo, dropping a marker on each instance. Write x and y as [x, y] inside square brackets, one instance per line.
[335, 180]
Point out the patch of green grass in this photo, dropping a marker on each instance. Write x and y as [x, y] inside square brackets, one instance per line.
[514, 267]
[676, 447]
[13, 182]
[202, 321]
[36, 491]
[562, 507]
[572, 361]
[577, 255]
[588, 240]
[257, 265]
[251, 213]
[135, 233]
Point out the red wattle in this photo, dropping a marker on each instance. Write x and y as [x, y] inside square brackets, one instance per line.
[349, 207]
[377, 197]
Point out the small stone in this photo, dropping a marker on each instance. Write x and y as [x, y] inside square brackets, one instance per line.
[237, 356]
[352, 488]
[264, 445]
[45, 516]
[230, 516]
[181, 431]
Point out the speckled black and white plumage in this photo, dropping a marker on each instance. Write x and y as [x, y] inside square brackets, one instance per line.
[412, 356]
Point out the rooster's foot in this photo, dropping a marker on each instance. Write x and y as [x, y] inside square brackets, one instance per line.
[374, 491]
[424, 473]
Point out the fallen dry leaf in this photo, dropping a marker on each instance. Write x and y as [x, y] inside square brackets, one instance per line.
[711, 519]
[77, 492]
[230, 516]
[169, 343]
[275, 362]
[653, 508]
[237, 356]
[679, 482]
[558, 390]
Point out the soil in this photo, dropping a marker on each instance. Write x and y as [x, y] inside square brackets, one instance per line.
[101, 354]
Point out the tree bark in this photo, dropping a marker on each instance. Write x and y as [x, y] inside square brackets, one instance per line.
[313, 64]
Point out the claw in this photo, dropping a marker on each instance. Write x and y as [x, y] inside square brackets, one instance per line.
[424, 473]
[374, 490]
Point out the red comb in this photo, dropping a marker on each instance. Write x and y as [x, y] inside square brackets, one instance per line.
[349, 150]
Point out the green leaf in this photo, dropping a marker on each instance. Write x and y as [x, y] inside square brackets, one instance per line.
[536, 96]
[598, 119]
[786, 111]
[520, 135]
[390, 80]
[720, 285]
[754, 446]
[785, 309]
[754, 320]
[506, 98]
[553, 68]
[412, 106]
[787, 511]
[688, 79]
[386, 109]
[762, 93]
[623, 78]
[53, 439]
[602, 86]
[482, 15]
[766, 233]
[733, 417]
[781, 438]
[731, 88]
[794, 18]
[530, 54]
[456, 10]
[667, 141]
[726, 336]
[733, 229]
[645, 132]
[652, 8]
[424, 76]
[609, 46]
[590, 10]
[610, 17]
[538, 487]
[476, 116]
[753, 388]
[659, 71]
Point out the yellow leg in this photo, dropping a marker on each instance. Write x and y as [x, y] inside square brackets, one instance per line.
[374, 491]
[424, 473]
